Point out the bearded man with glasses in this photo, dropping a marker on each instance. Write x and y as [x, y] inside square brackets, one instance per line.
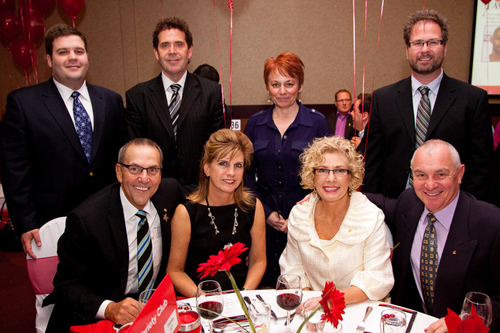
[427, 105]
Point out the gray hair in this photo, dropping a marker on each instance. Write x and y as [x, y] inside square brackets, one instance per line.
[139, 142]
[432, 145]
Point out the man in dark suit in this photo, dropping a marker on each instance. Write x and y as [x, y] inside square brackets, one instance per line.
[153, 111]
[340, 121]
[97, 277]
[458, 115]
[466, 232]
[46, 170]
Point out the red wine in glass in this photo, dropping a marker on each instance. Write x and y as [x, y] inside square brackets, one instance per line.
[288, 301]
[212, 306]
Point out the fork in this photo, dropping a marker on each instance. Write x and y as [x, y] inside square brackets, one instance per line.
[362, 325]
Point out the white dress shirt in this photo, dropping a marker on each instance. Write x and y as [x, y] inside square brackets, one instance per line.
[167, 83]
[358, 255]
[84, 98]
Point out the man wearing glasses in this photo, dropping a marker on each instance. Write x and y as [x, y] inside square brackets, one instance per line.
[428, 104]
[340, 122]
[116, 243]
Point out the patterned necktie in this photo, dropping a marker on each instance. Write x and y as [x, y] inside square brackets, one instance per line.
[429, 262]
[174, 105]
[83, 125]
[144, 254]
[423, 118]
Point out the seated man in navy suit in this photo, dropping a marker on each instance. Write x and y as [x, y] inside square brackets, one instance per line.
[444, 232]
[101, 250]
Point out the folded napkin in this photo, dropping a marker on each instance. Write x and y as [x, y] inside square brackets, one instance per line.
[474, 324]
[102, 326]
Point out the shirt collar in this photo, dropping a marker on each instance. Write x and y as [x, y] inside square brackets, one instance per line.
[129, 210]
[66, 91]
[167, 82]
[341, 116]
[433, 86]
[445, 215]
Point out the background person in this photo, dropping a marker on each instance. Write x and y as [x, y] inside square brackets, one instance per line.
[279, 135]
[221, 212]
[341, 123]
[338, 234]
[361, 117]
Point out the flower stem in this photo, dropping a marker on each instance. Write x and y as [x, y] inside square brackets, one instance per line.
[240, 299]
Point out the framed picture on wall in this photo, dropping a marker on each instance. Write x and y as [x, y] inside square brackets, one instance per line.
[485, 67]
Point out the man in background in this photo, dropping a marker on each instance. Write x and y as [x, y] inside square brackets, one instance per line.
[59, 138]
[177, 109]
[341, 121]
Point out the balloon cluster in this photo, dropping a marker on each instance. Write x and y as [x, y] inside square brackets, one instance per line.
[23, 31]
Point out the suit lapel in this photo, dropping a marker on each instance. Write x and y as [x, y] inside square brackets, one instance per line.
[99, 110]
[57, 108]
[116, 222]
[404, 105]
[189, 96]
[446, 97]
[457, 254]
[159, 102]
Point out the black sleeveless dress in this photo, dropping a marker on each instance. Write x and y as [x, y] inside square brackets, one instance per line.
[204, 242]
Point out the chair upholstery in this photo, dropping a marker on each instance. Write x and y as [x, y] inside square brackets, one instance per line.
[41, 271]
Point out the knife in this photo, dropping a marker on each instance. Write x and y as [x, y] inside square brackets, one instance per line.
[273, 314]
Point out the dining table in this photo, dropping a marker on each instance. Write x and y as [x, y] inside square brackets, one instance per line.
[416, 321]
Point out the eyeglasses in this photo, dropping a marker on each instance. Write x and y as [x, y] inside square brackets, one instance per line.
[343, 100]
[418, 44]
[337, 172]
[137, 170]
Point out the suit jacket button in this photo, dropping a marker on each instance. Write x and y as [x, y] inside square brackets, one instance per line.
[91, 174]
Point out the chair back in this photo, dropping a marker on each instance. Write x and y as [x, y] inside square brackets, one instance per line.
[42, 270]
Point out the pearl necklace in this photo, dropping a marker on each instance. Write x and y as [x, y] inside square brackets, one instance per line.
[216, 229]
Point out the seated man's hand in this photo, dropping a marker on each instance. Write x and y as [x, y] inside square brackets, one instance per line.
[437, 327]
[123, 312]
[26, 241]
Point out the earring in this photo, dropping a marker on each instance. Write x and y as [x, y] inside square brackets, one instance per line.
[269, 98]
[298, 97]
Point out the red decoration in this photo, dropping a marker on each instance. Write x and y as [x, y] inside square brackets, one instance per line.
[35, 26]
[8, 5]
[21, 52]
[486, 1]
[474, 324]
[333, 303]
[10, 27]
[71, 7]
[222, 261]
[44, 6]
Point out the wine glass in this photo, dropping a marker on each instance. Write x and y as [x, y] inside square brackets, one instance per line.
[288, 295]
[209, 300]
[482, 302]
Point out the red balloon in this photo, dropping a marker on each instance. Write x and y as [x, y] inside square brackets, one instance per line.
[35, 26]
[21, 52]
[8, 5]
[486, 1]
[44, 6]
[71, 7]
[9, 25]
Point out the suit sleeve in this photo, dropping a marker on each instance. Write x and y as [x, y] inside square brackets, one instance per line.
[17, 176]
[218, 112]
[134, 127]
[374, 150]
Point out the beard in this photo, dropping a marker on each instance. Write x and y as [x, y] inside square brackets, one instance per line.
[426, 68]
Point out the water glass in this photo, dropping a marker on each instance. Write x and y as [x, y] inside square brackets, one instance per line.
[325, 327]
[260, 313]
[392, 321]
[144, 298]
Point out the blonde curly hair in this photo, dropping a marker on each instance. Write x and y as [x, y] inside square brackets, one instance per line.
[312, 157]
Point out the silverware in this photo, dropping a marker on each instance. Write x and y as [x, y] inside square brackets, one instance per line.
[247, 299]
[362, 325]
[291, 317]
[273, 314]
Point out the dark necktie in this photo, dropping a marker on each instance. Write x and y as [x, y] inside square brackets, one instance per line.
[144, 254]
[423, 118]
[174, 105]
[83, 125]
[429, 262]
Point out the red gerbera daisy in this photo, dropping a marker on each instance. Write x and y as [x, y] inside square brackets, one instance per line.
[333, 304]
[222, 261]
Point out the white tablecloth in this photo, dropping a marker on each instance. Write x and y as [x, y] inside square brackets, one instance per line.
[353, 313]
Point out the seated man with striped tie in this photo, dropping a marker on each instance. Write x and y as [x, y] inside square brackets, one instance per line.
[448, 241]
[116, 243]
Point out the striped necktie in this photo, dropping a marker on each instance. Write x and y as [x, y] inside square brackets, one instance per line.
[429, 262]
[144, 254]
[423, 118]
[83, 125]
[174, 105]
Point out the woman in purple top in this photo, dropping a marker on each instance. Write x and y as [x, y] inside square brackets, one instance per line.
[279, 135]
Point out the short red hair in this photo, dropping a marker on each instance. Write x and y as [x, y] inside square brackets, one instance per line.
[286, 64]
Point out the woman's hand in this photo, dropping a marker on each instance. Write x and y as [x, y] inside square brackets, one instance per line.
[308, 305]
[437, 327]
[277, 221]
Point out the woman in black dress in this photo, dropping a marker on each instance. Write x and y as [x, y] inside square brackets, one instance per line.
[218, 214]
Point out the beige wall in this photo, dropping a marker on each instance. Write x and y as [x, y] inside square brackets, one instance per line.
[320, 32]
